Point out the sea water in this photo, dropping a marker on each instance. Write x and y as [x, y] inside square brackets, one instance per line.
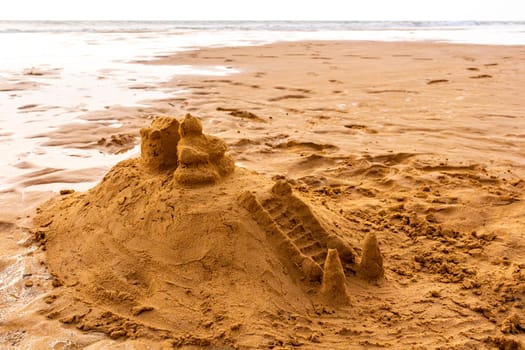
[79, 53]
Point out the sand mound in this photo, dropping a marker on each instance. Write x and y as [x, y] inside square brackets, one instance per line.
[177, 246]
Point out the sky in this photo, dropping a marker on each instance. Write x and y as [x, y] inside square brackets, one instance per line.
[424, 10]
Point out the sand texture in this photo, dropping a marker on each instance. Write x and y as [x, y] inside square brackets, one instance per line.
[145, 255]
[376, 201]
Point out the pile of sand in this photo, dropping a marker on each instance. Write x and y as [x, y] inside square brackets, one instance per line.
[180, 246]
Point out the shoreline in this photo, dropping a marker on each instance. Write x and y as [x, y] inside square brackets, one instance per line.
[493, 31]
[368, 127]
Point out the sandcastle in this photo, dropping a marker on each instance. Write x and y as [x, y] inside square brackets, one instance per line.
[178, 227]
[195, 158]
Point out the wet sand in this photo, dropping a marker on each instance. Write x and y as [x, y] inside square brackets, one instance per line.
[420, 143]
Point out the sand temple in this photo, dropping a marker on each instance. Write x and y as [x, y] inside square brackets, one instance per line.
[180, 246]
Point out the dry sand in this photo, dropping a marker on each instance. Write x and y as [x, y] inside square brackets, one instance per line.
[418, 144]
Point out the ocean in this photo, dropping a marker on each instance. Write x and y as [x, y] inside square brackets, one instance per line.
[476, 32]
[153, 26]
[61, 64]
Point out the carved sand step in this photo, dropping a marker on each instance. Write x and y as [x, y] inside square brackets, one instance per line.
[273, 206]
[282, 242]
[321, 256]
[299, 236]
[287, 217]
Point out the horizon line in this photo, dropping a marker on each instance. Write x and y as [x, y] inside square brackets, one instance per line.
[262, 20]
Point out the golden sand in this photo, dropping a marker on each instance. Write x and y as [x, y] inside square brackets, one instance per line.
[416, 146]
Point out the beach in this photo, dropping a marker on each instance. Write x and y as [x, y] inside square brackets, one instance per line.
[419, 142]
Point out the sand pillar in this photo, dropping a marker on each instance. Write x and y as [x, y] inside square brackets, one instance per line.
[371, 266]
[333, 288]
[159, 143]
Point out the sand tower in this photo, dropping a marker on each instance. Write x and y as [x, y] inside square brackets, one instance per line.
[159, 143]
[371, 266]
[333, 288]
[196, 158]
[202, 158]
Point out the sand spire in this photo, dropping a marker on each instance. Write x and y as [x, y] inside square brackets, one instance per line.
[333, 288]
[371, 266]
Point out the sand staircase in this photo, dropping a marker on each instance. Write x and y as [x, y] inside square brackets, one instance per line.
[289, 222]
[295, 230]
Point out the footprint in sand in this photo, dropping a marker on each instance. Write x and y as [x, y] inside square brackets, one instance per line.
[299, 145]
[361, 127]
[241, 114]
[481, 76]
[30, 106]
[287, 97]
[305, 91]
[227, 81]
[437, 81]
[392, 91]
[6, 226]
